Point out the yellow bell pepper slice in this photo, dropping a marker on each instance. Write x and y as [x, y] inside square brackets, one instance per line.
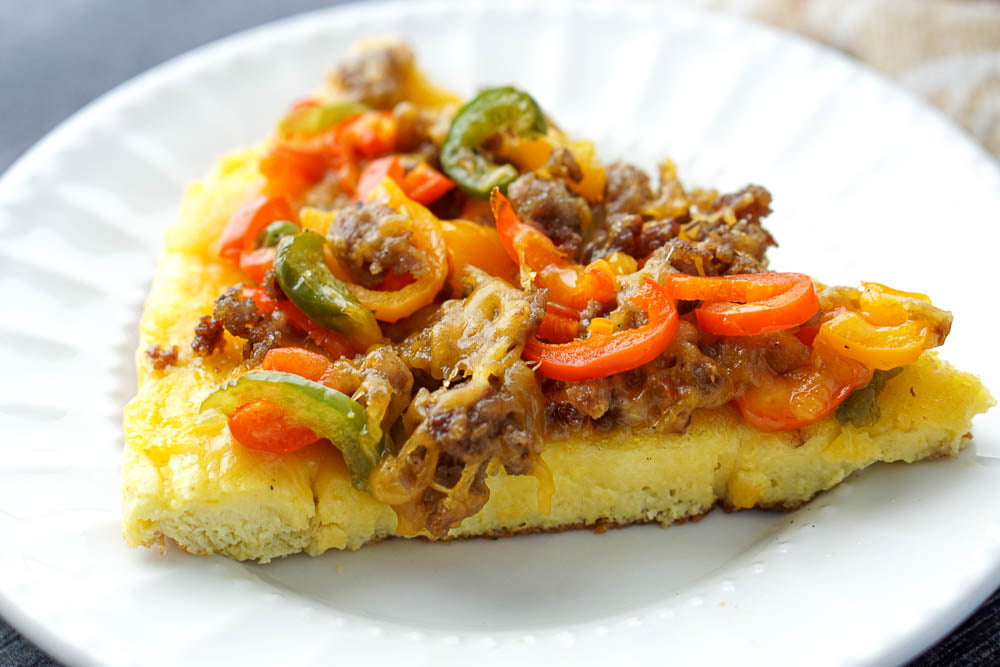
[886, 332]
[472, 244]
[852, 336]
[316, 219]
[532, 154]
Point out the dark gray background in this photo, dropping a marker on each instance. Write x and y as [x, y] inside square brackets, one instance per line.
[58, 55]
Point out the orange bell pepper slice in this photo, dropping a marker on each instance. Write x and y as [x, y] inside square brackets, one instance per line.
[559, 325]
[291, 170]
[748, 304]
[264, 426]
[371, 133]
[605, 353]
[246, 224]
[569, 283]
[804, 395]
[884, 348]
[310, 365]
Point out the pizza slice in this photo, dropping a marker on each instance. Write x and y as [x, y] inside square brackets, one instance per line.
[402, 315]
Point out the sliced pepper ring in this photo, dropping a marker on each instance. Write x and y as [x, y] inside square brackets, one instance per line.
[245, 225]
[748, 304]
[881, 347]
[804, 395]
[604, 354]
[391, 306]
[325, 411]
[486, 114]
[472, 244]
[570, 284]
[301, 270]
[889, 329]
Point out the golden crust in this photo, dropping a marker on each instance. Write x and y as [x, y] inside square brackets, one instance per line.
[188, 481]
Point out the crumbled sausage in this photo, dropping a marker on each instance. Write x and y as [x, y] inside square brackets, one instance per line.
[564, 415]
[262, 331]
[271, 286]
[727, 238]
[748, 205]
[162, 357]
[627, 189]
[562, 164]
[438, 476]
[697, 370]
[375, 77]
[207, 336]
[633, 218]
[370, 238]
[548, 204]
[618, 232]
[419, 131]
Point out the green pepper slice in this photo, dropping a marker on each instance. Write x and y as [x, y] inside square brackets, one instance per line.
[861, 407]
[486, 114]
[312, 119]
[329, 413]
[306, 280]
[271, 235]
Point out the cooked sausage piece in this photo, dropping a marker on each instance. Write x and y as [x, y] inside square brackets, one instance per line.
[375, 77]
[370, 239]
[262, 331]
[548, 204]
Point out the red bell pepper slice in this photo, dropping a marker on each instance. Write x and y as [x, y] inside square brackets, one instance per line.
[807, 333]
[372, 133]
[377, 170]
[607, 353]
[257, 263]
[290, 169]
[243, 228]
[335, 344]
[367, 135]
[748, 304]
[569, 284]
[425, 184]
[804, 395]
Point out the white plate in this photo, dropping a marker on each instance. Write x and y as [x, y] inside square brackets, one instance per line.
[868, 183]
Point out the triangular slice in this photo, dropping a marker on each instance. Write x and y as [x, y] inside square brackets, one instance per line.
[401, 315]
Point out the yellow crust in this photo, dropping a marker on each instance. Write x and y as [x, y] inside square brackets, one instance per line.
[188, 481]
